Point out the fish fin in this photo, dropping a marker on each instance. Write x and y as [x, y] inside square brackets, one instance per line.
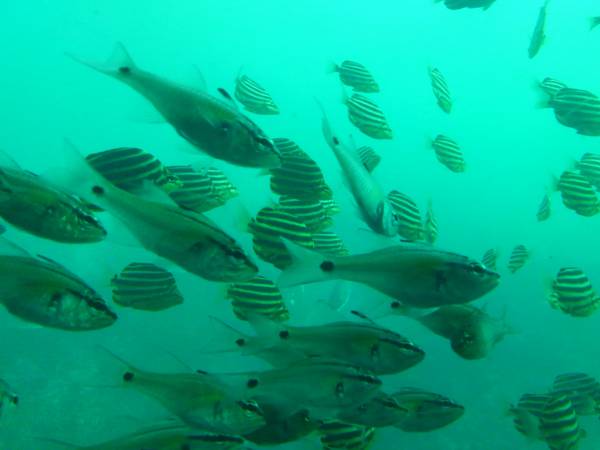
[9, 248]
[202, 85]
[305, 267]
[332, 67]
[594, 22]
[241, 216]
[229, 339]
[553, 184]
[362, 316]
[57, 442]
[119, 64]
[227, 96]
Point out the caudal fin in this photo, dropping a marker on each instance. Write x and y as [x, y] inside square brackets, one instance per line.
[307, 267]
[119, 63]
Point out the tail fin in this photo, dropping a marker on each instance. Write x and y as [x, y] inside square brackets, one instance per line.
[332, 67]
[307, 267]
[119, 64]
[594, 22]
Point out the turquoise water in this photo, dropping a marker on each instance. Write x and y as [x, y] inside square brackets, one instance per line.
[512, 150]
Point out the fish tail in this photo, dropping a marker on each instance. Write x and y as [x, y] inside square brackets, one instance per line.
[307, 267]
[594, 22]
[332, 67]
[119, 63]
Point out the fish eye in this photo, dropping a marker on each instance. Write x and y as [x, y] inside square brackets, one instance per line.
[15, 400]
[284, 334]
[50, 210]
[395, 305]
[56, 297]
[240, 342]
[375, 351]
[186, 447]
[225, 127]
[339, 389]
[476, 267]
[252, 383]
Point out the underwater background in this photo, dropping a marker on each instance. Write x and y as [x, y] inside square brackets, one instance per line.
[512, 148]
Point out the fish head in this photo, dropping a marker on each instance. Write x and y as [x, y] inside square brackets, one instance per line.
[77, 308]
[463, 280]
[387, 219]
[225, 262]
[75, 222]
[251, 138]
[239, 417]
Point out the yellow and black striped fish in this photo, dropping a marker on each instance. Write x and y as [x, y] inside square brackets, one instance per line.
[534, 403]
[408, 216]
[267, 230]
[254, 97]
[430, 225]
[145, 286]
[551, 86]
[331, 207]
[129, 168]
[257, 296]
[440, 90]
[582, 389]
[197, 192]
[329, 243]
[578, 194]
[310, 212]
[368, 117]
[559, 425]
[223, 188]
[340, 435]
[369, 158]
[518, 258]
[578, 109]
[572, 293]
[489, 259]
[448, 152]
[287, 147]
[545, 209]
[589, 167]
[356, 76]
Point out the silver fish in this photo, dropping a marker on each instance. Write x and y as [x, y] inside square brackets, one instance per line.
[539, 33]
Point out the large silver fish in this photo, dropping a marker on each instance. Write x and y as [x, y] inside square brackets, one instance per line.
[539, 33]
[211, 124]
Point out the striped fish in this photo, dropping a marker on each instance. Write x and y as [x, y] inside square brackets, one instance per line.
[145, 286]
[356, 76]
[329, 243]
[254, 97]
[525, 422]
[559, 425]
[594, 22]
[368, 157]
[331, 207]
[311, 213]
[408, 216]
[539, 33]
[342, 435]
[267, 230]
[582, 389]
[534, 403]
[197, 192]
[589, 167]
[551, 86]
[518, 258]
[257, 296]
[572, 293]
[460, 4]
[287, 147]
[448, 153]
[223, 188]
[367, 117]
[489, 259]
[578, 109]
[440, 90]
[544, 210]
[430, 226]
[129, 168]
[578, 194]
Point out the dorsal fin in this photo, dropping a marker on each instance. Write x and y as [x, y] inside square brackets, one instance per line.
[227, 97]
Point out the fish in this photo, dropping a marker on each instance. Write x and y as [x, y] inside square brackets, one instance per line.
[559, 425]
[440, 89]
[594, 22]
[41, 291]
[573, 293]
[269, 227]
[539, 32]
[578, 109]
[368, 117]
[212, 125]
[578, 194]
[416, 274]
[339, 435]
[381, 411]
[311, 213]
[518, 258]
[582, 389]
[534, 403]
[428, 411]
[356, 76]
[329, 243]
[8, 398]
[254, 97]
[472, 332]
[589, 167]
[259, 296]
[224, 189]
[330, 206]
[374, 208]
[32, 204]
[460, 4]
[408, 215]
[280, 429]
[489, 258]
[190, 240]
[448, 153]
[146, 287]
[197, 192]
[545, 209]
[369, 158]
[551, 86]
[130, 168]
[374, 348]
[430, 225]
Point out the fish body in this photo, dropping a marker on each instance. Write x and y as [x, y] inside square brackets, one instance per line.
[329, 243]
[589, 167]
[254, 97]
[572, 293]
[539, 33]
[551, 86]
[518, 258]
[440, 90]
[368, 117]
[408, 216]
[582, 389]
[578, 194]
[356, 76]
[213, 125]
[430, 225]
[545, 209]
[369, 158]
[489, 258]
[448, 153]
[559, 425]
[340, 435]
[577, 109]
[381, 411]
[196, 192]
[594, 22]
[281, 429]
[427, 411]
[259, 296]
[310, 212]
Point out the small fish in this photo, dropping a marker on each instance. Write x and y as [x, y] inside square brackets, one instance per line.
[545, 209]
[440, 90]
[145, 286]
[489, 258]
[559, 426]
[369, 158]
[213, 125]
[130, 168]
[573, 293]
[259, 296]
[589, 167]
[594, 22]
[254, 97]
[8, 397]
[449, 153]
[280, 430]
[311, 213]
[381, 411]
[534, 403]
[331, 207]
[340, 435]
[368, 117]
[223, 188]
[415, 274]
[539, 33]
[577, 109]
[287, 147]
[430, 226]
[578, 194]
[329, 243]
[356, 76]
[427, 411]
[582, 389]
[551, 86]
[408, 216]
[197, 191]
[518, 258]
[460, 4]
